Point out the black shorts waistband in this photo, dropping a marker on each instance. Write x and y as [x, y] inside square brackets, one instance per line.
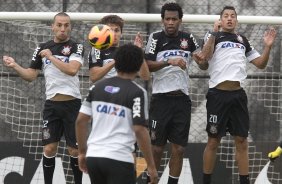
[171, 93]
[61, 102]
[226, 91]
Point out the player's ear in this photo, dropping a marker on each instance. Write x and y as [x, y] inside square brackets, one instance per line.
[219, 23]
[52, 27]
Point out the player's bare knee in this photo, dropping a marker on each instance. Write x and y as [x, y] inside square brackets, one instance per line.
[158, 149]
[241, 143]
[50, 150]
[177, 149]
[213, 144]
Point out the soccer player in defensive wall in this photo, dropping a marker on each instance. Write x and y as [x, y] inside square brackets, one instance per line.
[168, 55]
[101, 63]
[226, 53]
[118, 108]
[60, 59]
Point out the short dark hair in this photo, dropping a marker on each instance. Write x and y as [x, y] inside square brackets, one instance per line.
[172, 7]
[128, 58]
[228, 8]
[61, 14]
[112, 19]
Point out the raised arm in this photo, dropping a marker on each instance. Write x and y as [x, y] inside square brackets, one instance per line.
[269, 38]
[144, 72]
[27, 74]
[206, 53]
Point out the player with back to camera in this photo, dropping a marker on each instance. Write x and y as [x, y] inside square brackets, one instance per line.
[275, 154]
[118, 107]
[225, 55]
[101, 63]
[60, 59]
[168, 55]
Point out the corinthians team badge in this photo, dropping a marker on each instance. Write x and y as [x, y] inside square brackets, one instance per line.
[66, 50]
[184, 43]
[46, 133]
[213, 129]
[153, 135]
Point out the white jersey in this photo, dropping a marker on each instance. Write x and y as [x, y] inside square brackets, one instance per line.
[160, 46]
[232, 52]
[115, 105]
[57, 82]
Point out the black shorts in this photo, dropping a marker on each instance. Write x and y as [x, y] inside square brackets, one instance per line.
[227, 111]
[59, 119]
[109, 171]
[169, 119]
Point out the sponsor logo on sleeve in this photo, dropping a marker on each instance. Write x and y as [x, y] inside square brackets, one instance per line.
[35, 53]
[79, 49]
[153, 46]
[137, 107]
[97, 54]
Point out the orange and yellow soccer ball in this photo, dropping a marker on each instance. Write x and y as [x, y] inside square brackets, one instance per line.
[101, 37]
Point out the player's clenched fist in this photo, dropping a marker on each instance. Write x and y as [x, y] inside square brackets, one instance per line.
[9, 61]
[45, 53]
